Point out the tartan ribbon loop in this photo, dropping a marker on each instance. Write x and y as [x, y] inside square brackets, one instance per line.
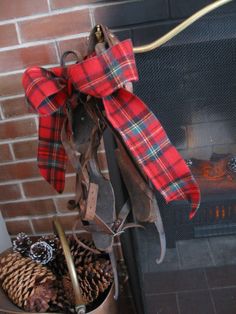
[46, 89]
[104, 76]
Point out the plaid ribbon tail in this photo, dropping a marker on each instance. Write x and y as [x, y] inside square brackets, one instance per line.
[52, 157]
[195, 202]
[148, 143]
[46, 94]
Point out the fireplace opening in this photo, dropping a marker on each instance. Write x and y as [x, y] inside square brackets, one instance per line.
[190, 84]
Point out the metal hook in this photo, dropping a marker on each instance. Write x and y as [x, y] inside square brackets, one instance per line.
[178, 29]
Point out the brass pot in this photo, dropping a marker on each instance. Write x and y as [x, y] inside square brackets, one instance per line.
[108, 306]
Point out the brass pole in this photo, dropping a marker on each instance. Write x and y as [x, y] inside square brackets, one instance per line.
[79, 307]
[178, 29]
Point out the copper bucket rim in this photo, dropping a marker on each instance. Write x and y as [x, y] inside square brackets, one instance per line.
[109, 295]
[79, 307]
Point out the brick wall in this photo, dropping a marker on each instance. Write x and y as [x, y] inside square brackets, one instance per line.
[34, 33]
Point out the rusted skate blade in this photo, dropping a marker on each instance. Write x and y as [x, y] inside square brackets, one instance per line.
[100, 208]
[143, 200]
[102, 222]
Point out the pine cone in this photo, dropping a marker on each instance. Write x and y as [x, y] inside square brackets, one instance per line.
[52, 240]
[29, 285]
[22, 244]
[94, 278]
[61, 304]
[41, 252]
[80, 256]
[9, 264]
[39, 300]
[68, 289]
[58, 264]
[98, 273]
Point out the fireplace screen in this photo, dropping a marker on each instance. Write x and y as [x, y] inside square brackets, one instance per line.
[190, 84]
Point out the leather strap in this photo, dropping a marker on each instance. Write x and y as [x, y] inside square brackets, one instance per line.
[91, 204]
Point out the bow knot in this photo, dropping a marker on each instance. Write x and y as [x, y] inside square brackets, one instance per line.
[104, 76]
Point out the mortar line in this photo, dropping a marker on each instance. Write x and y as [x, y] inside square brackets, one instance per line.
[23, 117]
[54, 12]
[17, 161]
[57, 51]
[49, 215]
[18, 33]
[2, 116]
[177, 303]
[45, 41]
[2, 98]
[34, 179]
[31, 225]
[92, 17]
[46, 14]
[38, 198]
[19, 140]
[23, 197]
[210, 292]
[49, 6]
[12, 152]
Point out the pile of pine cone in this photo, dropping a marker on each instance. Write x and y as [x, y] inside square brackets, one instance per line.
[35, 276]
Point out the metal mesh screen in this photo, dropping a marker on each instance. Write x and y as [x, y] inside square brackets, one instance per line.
[190, 84]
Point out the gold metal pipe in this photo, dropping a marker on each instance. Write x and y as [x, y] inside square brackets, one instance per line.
[80, 307]
[178, 29]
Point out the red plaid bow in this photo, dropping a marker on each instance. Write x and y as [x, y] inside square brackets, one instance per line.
[103, 77]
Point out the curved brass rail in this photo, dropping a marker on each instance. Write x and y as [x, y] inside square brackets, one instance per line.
[80, 307]
[178, 29]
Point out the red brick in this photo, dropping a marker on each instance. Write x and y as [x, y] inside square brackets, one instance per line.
[78, 45]
[17, 8]
[55, 26]
[67, 222]
[14, 107]
[29, 149]
[18, 59]
[61, 204]
[11, 84]
[59, 4]
[18, 171]
[9, 192]
[38, 188]
[24, 150]
[8, 35]
[69, 168]
[19, 128]
[42, 225]
[42, 188]
[17, 226]
[5, 153]
[30, 208]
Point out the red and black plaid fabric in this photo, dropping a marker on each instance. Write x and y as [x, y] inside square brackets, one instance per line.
[103, 77]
